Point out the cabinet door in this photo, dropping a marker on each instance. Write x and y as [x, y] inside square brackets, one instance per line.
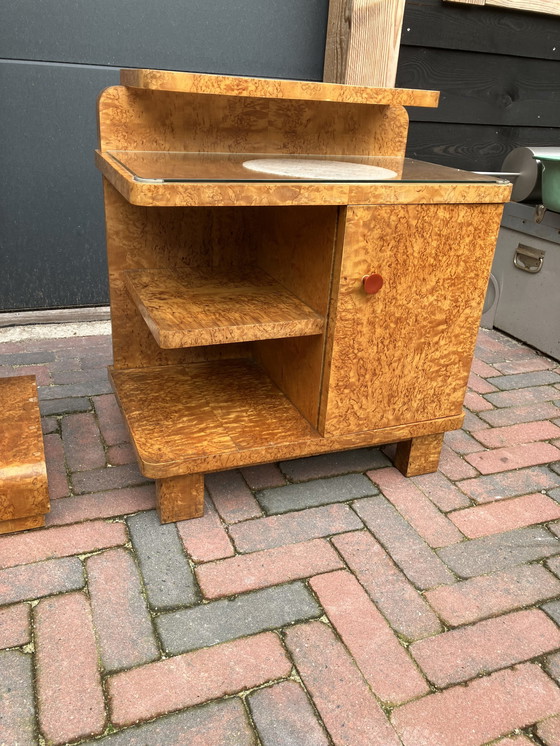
[403, 355]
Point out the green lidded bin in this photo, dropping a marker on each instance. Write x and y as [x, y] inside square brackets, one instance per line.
[550, 181]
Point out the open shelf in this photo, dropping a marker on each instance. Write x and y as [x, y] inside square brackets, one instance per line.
[225, 85]
[194, 307]
[184, 419]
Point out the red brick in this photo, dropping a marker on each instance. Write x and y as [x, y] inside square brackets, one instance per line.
[192, 678]
[205, 538]
[20, 549]
[511, 435]
[549, 731]
[434, 527]
[262, 476]
[110, 420]
[483, 369]
[399, 601]
[453, 466]
[340, 694]
[122, 453]
[82, 444]
[283, 715]
[441, 491]
[461, 442]
[122, 622]
[465, 653]
[374, 646]
[56, 466]
[262, 569]
[488, 595]
[476, 403]
[512, 367]
[102, 505]
[28, 582]
[15, 629]
[523, 397]
[481, 711]
[290, 528]
[479, 385]
[69, 690]
[506, 515]
[509, 484]
[472, 422]
[513, 457]
[234, 501]
[516, 415]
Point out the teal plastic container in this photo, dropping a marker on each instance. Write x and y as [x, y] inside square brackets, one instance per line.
[550, 181]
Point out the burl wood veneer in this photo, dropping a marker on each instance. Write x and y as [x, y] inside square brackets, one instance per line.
[24, 497]
[242, 332]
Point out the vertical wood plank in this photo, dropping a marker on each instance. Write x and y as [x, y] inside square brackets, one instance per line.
[179, 498]
[363, 38]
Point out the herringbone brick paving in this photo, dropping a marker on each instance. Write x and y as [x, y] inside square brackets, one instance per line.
[319, 601]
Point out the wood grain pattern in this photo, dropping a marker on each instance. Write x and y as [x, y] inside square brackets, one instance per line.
[403, 355]
[268, 88]
[220, 415]
[194, 307]
[180, 498]
[271, 194]
[22, 524]
[419, 455]
[23, 475]
[139, 119]
[363, 39]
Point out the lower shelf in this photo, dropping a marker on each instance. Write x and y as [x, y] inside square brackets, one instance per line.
[219, 415]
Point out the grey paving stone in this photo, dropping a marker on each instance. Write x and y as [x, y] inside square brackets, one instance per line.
[217, 724]
[555, 494]
[66, 391]
[168, 577]
[490, 553]
[317, 492]
[98, 480]
[555, 465]
[553, 610]
[27, 358]
[64, 406]
[331, 464]
[17, 721]
[509, 484]
[249, 613]
[523, 380]
[419, 563]
[284, 716]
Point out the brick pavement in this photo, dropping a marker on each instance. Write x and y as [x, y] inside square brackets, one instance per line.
[321, 601]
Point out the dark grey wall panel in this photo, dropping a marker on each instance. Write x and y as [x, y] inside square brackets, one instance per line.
[52, 235]
[275, 38]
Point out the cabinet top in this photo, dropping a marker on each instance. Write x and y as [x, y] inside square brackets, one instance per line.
[226, 85]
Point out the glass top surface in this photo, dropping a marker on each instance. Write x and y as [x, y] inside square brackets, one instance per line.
[162, 167]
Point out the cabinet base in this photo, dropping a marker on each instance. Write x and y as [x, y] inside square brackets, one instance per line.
[179, 498]
[419, 455]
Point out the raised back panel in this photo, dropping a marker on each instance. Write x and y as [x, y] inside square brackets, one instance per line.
[138, 119]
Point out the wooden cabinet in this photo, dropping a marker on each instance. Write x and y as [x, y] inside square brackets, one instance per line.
[242, 331]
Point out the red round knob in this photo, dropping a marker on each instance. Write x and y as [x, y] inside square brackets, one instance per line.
[372, 283]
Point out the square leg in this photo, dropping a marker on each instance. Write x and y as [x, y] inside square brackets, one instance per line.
[419, 455]
[179, 498]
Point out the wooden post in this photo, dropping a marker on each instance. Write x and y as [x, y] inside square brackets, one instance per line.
[363, 38]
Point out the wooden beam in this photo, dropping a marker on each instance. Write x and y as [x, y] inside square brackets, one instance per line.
[363, 38]
[552, 7]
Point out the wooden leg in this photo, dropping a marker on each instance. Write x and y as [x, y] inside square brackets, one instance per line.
[21, 524]
[179, 498]
[419, 455]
